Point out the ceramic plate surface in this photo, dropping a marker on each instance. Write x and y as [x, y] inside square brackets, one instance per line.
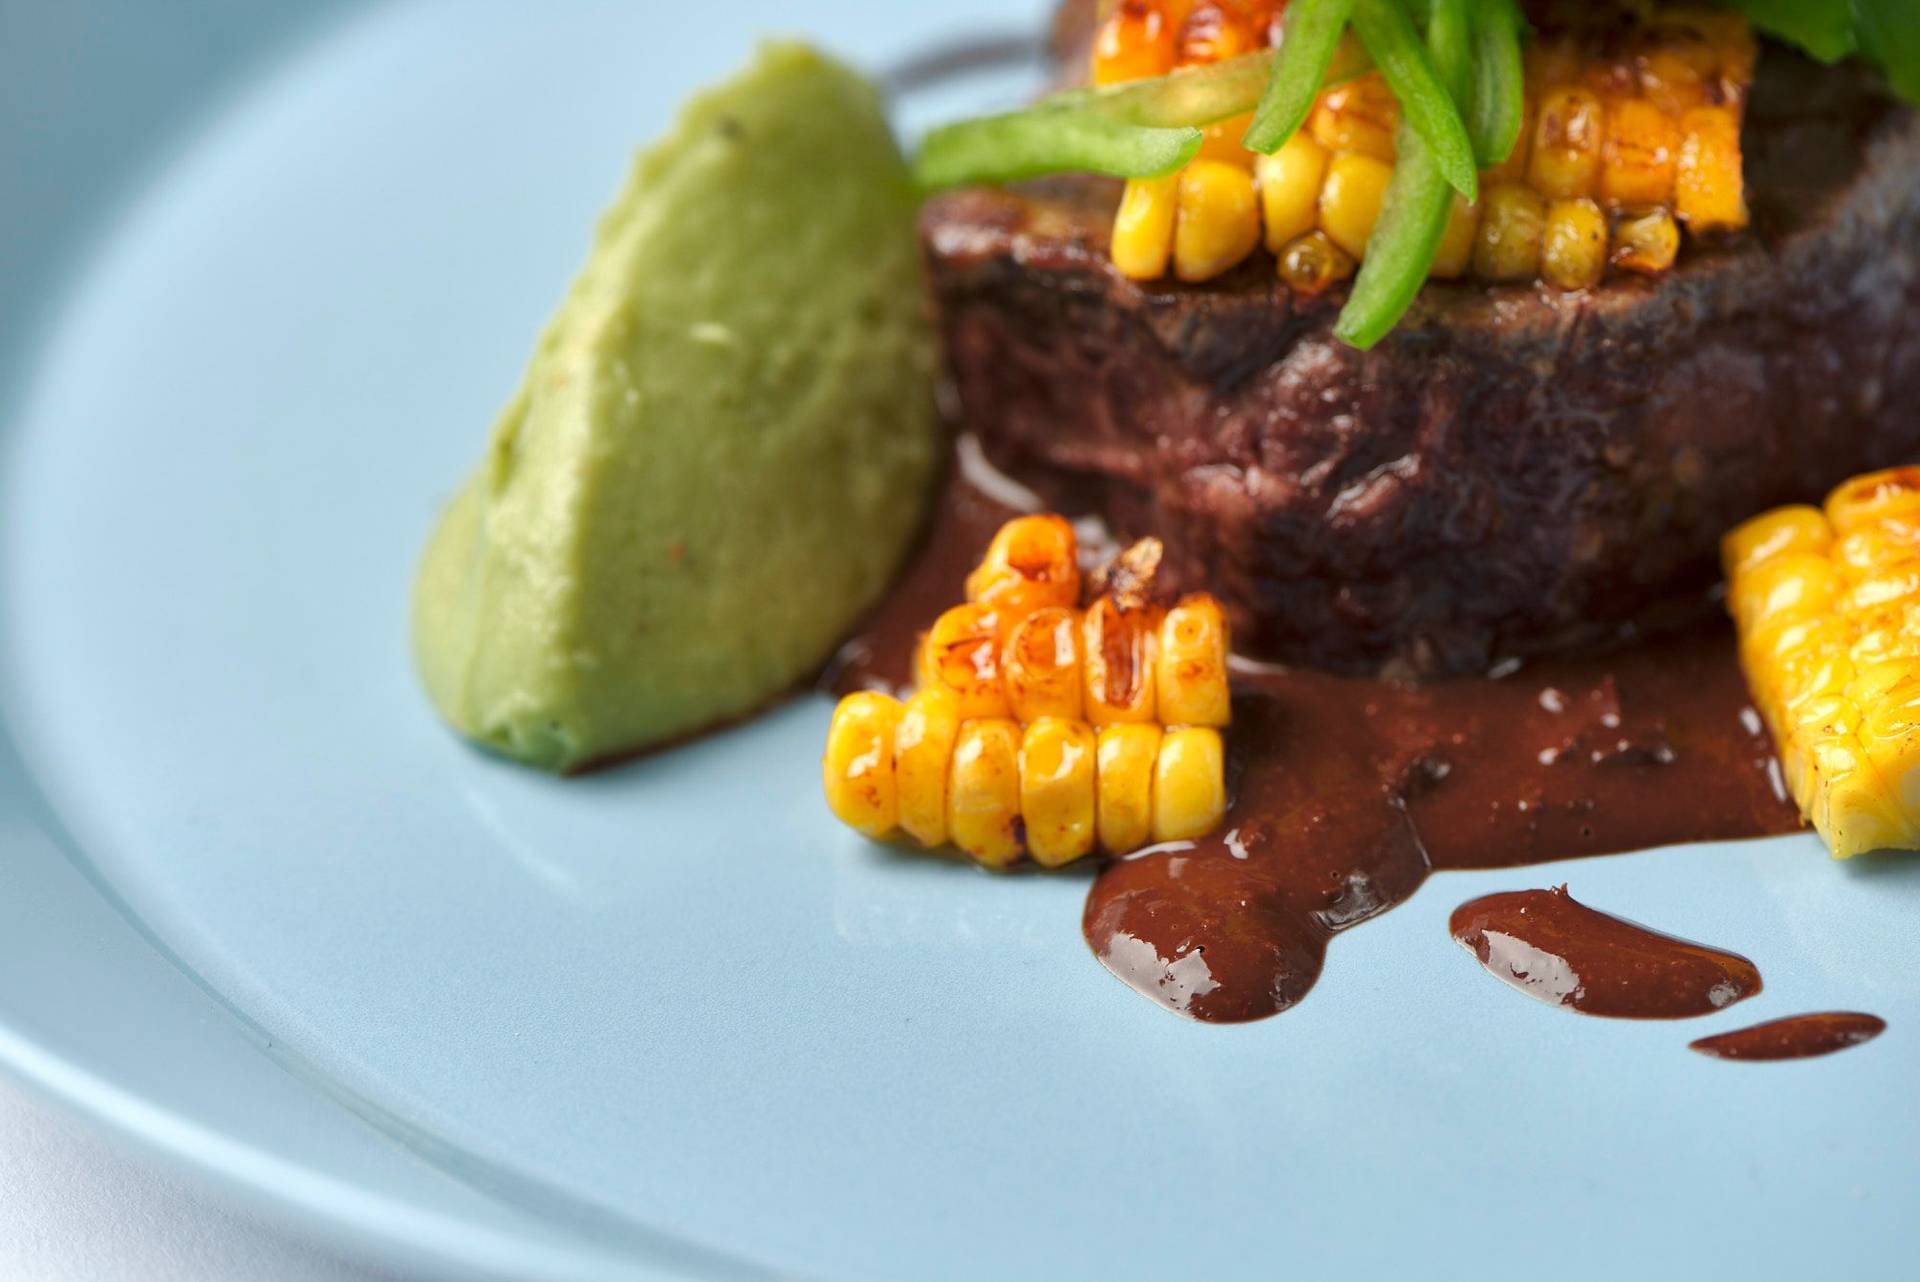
[268, 272]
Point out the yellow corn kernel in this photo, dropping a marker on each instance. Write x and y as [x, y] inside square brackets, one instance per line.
[1514, 168]
[922, 758]
[1116, 658]
[1674, 73]
[1888, 498]
[961, 653]
[1189, 784]
[1219, 221]
[1795, 585]
[1350, 199]
[1221, 142]
[1041, 662]
[857, 770]
[1852, 806]
[1646, 241]
[1310, 264]
[1639, 159]
[983, 792]
[1124, 785]
[1143, 227]
[1709, 190]
[1214, 32]
[1190, 664]
[1032, 563]
[1867, 550]
[1566, 143]
[1057, 764]
[1786, 529]
[1513, 221]
[1889, 731]
[1455, 254]
[1289, 182]
[1359, 116]
[1137, 40]
[1573, 252]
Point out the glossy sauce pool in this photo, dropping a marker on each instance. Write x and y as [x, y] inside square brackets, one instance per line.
[1348, 792]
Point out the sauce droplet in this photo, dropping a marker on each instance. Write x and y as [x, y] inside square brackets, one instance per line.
[1557, 950]
[1795, 1037]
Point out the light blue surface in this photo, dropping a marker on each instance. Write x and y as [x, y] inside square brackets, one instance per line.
[258, 910]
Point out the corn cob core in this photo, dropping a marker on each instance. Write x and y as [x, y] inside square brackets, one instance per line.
[1827, 601]
[1632, 133]
[1040, 728]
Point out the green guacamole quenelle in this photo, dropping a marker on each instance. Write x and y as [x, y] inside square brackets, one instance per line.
[722, 448]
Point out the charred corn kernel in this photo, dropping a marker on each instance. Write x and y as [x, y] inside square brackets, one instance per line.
[1646, 241]
[1830, 642]
[1143, 227]
[1311, 263]
[961, 653]
[1289, 183]
[1513, 223]
[1566, 143]
[1221, 142]
[1190, 664]
[1138, 39]
[1057, 769]
[922, 759]
[1359, 116]
[1888, 498]
[1219, 220]
[1573, 252]
[1455, 254]
[1032, 563]
[1041, 662]
[983, 792]
[857, 770]
[1124, 776]
[1640, 157]
[1709, 183]
[1189, 784]
[1350, 199]
[1776, 533]
[1116, 659]
[1674, 74]
[1215, 32]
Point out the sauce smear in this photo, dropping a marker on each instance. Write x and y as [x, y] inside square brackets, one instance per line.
[1557, 950]
[1795, 1037]
[1348, 792]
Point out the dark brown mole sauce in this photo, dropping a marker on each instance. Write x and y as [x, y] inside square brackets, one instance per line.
[1795, 1037]
[1557, 950]
[1348, 792]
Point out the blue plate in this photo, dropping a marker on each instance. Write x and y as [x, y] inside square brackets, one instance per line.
[268, 273]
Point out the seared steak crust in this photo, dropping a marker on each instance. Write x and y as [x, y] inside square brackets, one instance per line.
[1513, 470]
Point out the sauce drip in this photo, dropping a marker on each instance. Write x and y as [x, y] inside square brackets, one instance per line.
[1557, 950]
[1795, 1037]
[1348, 792]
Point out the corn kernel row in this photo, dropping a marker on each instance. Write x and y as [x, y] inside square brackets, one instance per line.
[1621, 150]
[1052, 790]
[1827, 601]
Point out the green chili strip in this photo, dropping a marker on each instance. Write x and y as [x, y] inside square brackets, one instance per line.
[1309, 35]
[1824, 28]
[1424, 101]
[1413, 216]
[1027, 144]
[1498, 101]
[1890, 33]
[1126, 130]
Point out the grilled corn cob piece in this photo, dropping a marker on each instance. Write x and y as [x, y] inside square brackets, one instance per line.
[1041, 738]
[1637, 108]
[1828, 607]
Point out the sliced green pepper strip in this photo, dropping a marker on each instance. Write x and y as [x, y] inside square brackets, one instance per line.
[1027, 144]
[1413, 216]
[1424, 101]
[1309, 36]
[1890, 34]
[1125, 130]
[1824, 28]
[1498, 101]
